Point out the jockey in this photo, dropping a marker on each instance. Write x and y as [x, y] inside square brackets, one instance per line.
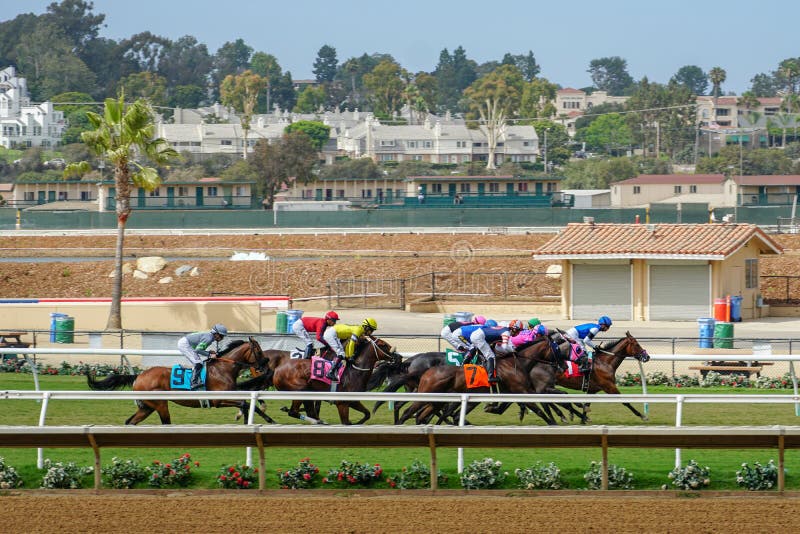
[533, 323]
[452, 333]
[506, 344]
[304, 325]
[350, 334]
[483, 336]
[584, 335]
[529, 335]
[193, 347]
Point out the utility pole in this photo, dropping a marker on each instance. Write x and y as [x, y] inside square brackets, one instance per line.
[545, 149]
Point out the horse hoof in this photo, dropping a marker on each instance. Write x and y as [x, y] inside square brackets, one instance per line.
[285, 409]
[645, 418]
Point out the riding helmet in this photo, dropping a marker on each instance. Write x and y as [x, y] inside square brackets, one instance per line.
[604, 320]
[370, 323]
[332, 315]
[220, 329]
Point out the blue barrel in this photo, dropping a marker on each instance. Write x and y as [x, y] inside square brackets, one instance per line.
[706, 332]
[463, 317]
[291, 317]
[736, 309]
[53, 317]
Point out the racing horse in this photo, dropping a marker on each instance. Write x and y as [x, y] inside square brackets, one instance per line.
[602, 377]
[404, 374]
[295, 375]
[513, 373]
[222, 371]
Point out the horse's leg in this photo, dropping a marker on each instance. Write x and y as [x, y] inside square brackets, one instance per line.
[359, 407]
[141, 414]
[163, 412]
[497, 408]
[344, 412]
[264, 415]
[546, 417]
[411, 410]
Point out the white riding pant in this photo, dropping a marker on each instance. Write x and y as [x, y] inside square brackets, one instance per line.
[478, 340]
[300, 331]
[333, 341]
[189, 352]
[452, 337]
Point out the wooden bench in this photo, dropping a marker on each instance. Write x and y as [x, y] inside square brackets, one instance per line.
[731, 368]
[12, 339]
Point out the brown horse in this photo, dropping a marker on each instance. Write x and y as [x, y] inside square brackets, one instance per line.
[222, 372]
[512, 370]
[295, 375]
[607, 360]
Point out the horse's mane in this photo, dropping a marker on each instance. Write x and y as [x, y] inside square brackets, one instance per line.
[232, 345]
[609, 344]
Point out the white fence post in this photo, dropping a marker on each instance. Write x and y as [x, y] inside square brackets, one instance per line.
[42, 416]
[462, 418]
[678, 417]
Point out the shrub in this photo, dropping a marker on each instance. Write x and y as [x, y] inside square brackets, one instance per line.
[124, 474]
[354, 474]
[301, 477]
[176, 473]
[9, 478]
[483, 474]
[415, 477]
[237, 477]
[691, 477]
[618, 477]
[540, 477]
[758, 477]
[63, 476]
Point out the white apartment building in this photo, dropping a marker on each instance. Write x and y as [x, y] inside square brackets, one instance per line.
[574, 103]
[23, 124]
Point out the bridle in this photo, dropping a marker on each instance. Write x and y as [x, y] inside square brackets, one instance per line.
[378, 352]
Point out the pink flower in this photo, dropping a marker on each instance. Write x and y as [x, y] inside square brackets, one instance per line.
[306, 476]
[325, 480]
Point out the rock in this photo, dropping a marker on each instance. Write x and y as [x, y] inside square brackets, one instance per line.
[165, 280]
[194, 272]
[127, 268]
[249, 256]
[140, 275]
[553, 271]
[150, 264]
[183, 269]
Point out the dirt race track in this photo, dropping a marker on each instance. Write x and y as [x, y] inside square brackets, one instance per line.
[394, 512]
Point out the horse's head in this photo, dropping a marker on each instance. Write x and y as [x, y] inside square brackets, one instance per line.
[256, 355]
[381, 350]
[629, 347]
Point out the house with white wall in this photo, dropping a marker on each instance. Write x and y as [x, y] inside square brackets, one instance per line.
[24, 124]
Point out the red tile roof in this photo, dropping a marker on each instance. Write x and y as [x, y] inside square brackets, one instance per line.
[791, 179]
[644, 241]
[727, 101]
[770, 101]
[7, 187]
[570, 90]
[673, 179]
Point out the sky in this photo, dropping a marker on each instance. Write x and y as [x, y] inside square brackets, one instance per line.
[656, 38]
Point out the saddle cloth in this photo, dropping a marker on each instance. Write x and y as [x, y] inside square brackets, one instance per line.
[181, 377]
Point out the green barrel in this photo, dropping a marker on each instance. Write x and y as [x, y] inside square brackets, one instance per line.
[65, 330]
[449, 318]
[280, 322]
[723, 335]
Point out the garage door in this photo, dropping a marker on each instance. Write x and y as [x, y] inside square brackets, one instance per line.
[603, 289]
[679, 292]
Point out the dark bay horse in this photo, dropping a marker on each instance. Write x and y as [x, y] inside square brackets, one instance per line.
[607, 360]
[512, 370]
[222, 372]
[295, 375]
[405, 374]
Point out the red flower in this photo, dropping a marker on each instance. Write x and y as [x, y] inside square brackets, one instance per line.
[223, 478]
[236, 474]
[392, 484]
[340, 476]
[325, 480]
[197, 464]
[306, 476]
[246, 483]
[231, 469]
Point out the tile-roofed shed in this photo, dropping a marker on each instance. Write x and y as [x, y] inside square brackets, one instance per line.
[652, 241]
[644, 179]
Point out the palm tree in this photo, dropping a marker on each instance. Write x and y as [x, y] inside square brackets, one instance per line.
[717, 75]
[120, 134]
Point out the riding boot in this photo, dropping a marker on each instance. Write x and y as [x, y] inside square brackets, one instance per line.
[491, 371]
[333, 373]
[309, 351]
[196, 376]
[585, 364]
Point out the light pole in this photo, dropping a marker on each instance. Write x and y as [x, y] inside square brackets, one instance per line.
[545, 149]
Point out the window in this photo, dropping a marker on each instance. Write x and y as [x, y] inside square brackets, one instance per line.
[677, 189]
[340, 193]
[494, 187]
[693, 189]
[366, 193]
[28, 197]
[387, 157]
[751, 273]
[522, 187]
[86, 195]
[465, 188]
[156, 192]
[183, 191]
[212, 191]
[411, 144]
[436, 188]
[226, 142]
[62, 195]
[428, 144]
[390, 142]
[526, 143]
[417, 157]
[637, 189]
[239, 191]
[461, 144]
[723, 112]
[465, 158]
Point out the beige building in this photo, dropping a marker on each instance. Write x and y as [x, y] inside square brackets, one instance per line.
[574, 103]
[646, 189]
[648, 272]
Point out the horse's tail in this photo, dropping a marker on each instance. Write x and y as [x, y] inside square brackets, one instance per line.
[111, 382]
[257, 383]
[380, 373]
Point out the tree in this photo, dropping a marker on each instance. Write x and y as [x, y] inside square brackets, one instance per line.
[185, 62]
[385, 87]
[187, 96]
[319, 133]
[266, 66]
[357, 169]
[537, 99]
[76, 21]
[764, 85]
[558, 140]
[241, 93]
[325, 65]
[147, 85]
[454, 74]
[610, 74]
[717, 75]
[232, 58]
[693, 78]
[596, 173]
[279, 164]
[119, 135]
[75, 114]
[494, 98]
[789, 74]
[608, 132]
[310, 100]
[145, 50]
[526, 63]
